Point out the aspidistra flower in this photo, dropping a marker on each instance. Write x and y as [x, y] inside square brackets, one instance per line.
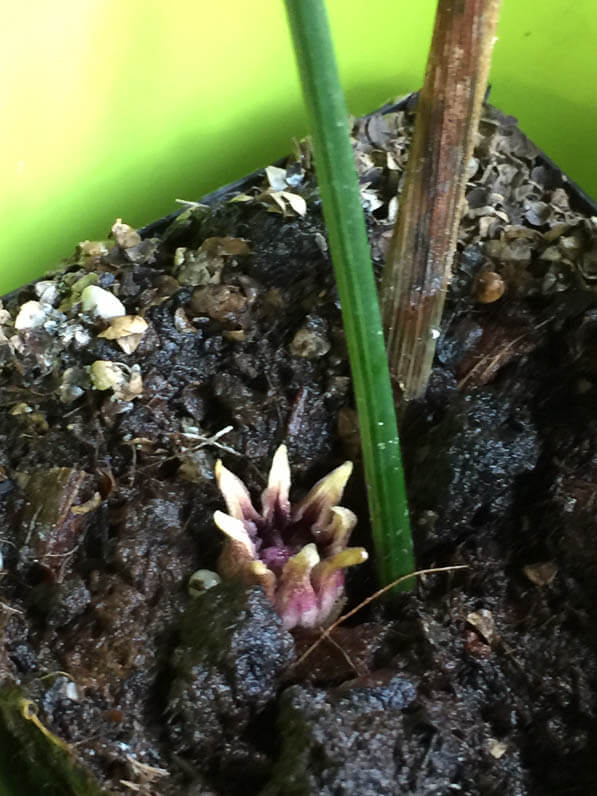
[297, 553]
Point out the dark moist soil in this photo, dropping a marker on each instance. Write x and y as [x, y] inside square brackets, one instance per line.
[481, 681]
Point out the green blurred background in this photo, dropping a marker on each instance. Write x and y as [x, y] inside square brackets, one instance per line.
[118, 108]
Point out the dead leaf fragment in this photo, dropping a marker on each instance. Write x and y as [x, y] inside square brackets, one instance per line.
[127, 330]
[482, 621]
[134, 387]
[541, 574]
[498, 345]
[284, 202]
[92, 248]
[370, 199]
[204, 265]
[106, 375]
[182, 323]
[126, 383]
[130, 343]
[241, 197]
[310, 342]
[123, 326]
[89, 505]
[20, 409]
[227, 246]
[235, 335]
[47, 525]
[277, 199]
[73, 384]
[276, 178]
[296, 202]
[125, 235]
[497, 749]
[223, 303]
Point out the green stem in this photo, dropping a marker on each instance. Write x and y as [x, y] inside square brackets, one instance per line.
[349, 247]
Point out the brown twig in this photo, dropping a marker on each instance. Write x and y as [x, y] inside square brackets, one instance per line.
[325, 632]
[419, 261]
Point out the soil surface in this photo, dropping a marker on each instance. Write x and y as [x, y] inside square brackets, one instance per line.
[481, 681]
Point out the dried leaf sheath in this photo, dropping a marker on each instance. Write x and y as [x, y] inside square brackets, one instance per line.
[419, 261]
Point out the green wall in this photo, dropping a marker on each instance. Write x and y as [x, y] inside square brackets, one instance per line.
[118, 108]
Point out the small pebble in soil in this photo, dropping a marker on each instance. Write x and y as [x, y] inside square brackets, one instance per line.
[488, 287]
[310, 341]
[31, 315]
[202, 580]
[97, 301]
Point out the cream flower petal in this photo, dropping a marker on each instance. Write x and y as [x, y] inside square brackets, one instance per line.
[233, 561]
[328, 581]
[262, 576]
[325, 494]
[331, 598]
[235, 529]
[336, 533]
[275, 495]
[295, 599]
[346, 558]
[235, 494]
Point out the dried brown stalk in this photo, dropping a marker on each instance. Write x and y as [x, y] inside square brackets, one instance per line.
[419, 261]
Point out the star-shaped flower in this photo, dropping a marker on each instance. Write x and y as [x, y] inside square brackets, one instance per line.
[296, 553]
